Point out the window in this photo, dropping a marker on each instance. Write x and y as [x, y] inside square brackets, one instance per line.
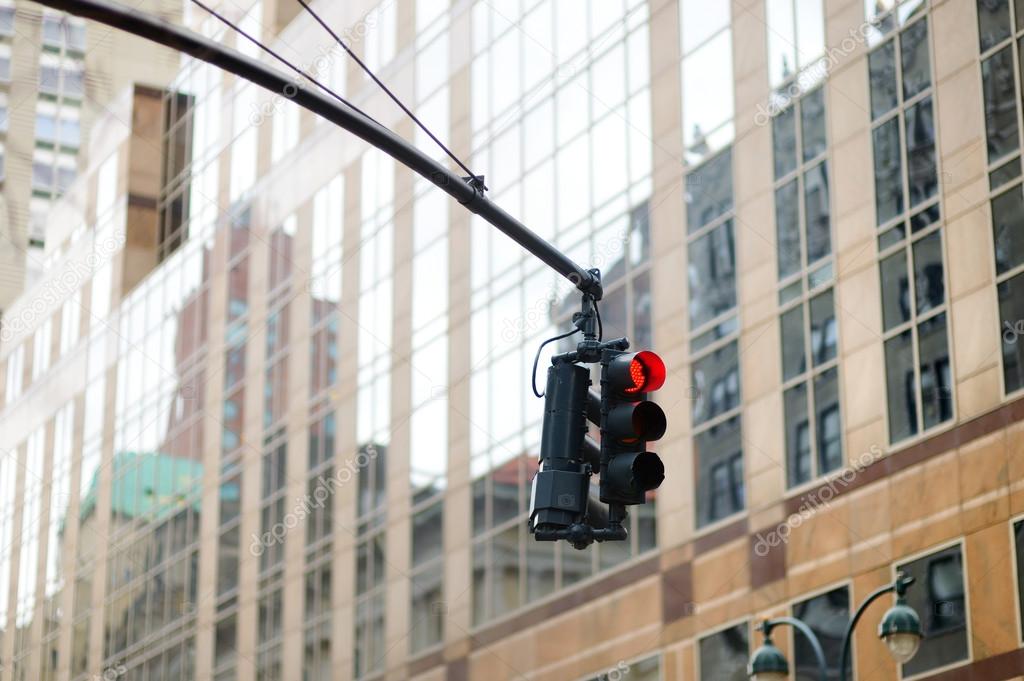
[827, 615]
[707, 78]
[381, 25]
[723, 656]
[325, 283]
[1001, 31]
[70, 322]
[796, 37]
[42, 348]
[715, 370]
[939, 598]
[15, 375]
[807, 322]
[1018, 545]
[911, 261]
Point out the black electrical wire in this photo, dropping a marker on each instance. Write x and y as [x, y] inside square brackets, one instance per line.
[600, 326]
[227, 22]
[536, 359]
[473, 178]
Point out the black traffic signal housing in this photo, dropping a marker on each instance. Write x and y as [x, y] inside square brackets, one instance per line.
[628, 421]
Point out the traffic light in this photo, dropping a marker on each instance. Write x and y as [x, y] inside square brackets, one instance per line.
[628, 422]
[558, 498]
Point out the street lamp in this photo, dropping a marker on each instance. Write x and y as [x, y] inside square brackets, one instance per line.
[900, 628]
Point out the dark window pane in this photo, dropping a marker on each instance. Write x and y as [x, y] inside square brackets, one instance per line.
[1018, 534]
[724, 656]
[712, 275]
[716, 378]
[479, 505]
[505, 488]
[427, 609]
[882, 73]
[709, 191]
[827, 423]
[993, 22]
[827, 616]
[895, 291]
[505, 571]
[888, 171]
[719, 456]
[938, 597]
[924, 218]
[900, 386]
[928, 280]
[1008, 228]
[816, 212]
[794, 352]
[427, 534]
[920, 138]
[936, 385]
[1007, 172]
[1011, 318]
[812, 123]
[798, 436]
[784, 142]
[642, 308]
[787, 228]
[823, 328]
[917, 73]
[1000, 96]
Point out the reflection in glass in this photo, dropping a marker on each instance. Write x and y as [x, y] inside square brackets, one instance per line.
[993, 23]
[888, 171]
[936, 385]
[939, 597]
[712, 275]
[787, 226]
[916, 62]
[798, 435]
[427, 608]
[708, 95]
[920, 139]
[794, 357]
[895, 290]
[1011, 318]
[723, 656]
[882, 74]
[1008, 229]
[1000, 99]
[827, 422]
[719, 455]
[784, 142]
[827, 616]
[817, 213]
[812, 124]
[929, 284]
[716, 378]
[709, 191]
[901, 388]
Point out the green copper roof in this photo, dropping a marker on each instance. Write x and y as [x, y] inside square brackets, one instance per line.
[151, 485]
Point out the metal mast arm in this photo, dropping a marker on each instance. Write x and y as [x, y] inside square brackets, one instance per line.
[212, 52]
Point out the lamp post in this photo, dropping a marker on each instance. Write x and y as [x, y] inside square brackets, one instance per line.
[900, 628]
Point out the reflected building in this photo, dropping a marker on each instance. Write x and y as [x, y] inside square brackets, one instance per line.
[266, 415]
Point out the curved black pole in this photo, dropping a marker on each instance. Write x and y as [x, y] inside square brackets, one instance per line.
[212, 52]
[899, 586]
[819, 653]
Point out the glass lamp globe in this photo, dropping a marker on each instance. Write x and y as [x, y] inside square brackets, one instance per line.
[901, 631]
[903, 646]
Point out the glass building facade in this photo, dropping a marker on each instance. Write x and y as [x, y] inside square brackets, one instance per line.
[267, 415]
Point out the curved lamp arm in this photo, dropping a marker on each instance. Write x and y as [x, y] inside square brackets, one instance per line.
[767, 626]
[899, 586]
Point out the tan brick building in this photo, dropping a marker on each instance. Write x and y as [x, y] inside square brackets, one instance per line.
[268, 417]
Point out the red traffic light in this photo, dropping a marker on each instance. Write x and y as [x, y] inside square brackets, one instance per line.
[641, 372]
